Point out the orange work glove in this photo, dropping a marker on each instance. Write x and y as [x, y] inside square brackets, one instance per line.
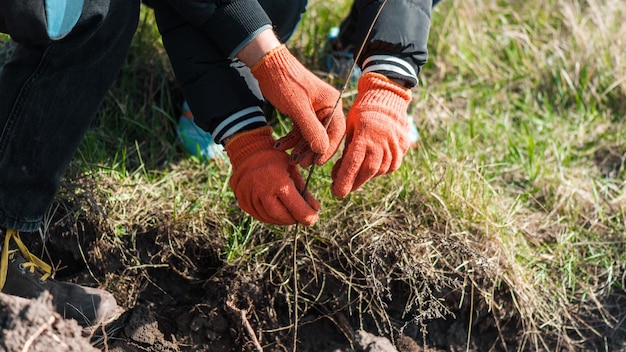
[377, 134]
[265, 184]
[307, 100]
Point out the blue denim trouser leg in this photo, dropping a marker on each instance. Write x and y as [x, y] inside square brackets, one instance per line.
[48, 97]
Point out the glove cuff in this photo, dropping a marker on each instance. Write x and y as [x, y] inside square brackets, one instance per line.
[276, 60]
[244, 144]
[377, 90]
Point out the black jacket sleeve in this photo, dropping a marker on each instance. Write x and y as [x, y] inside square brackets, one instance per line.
[401, 31]
[229, 23]
[24, 20]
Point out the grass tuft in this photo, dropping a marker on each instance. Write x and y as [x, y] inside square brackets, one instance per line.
[510, 212]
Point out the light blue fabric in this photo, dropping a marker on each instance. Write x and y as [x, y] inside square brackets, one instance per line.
[195, 140]
[62, 16]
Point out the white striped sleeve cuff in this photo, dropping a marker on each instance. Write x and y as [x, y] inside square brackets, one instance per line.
[246, 119]
[392, 67]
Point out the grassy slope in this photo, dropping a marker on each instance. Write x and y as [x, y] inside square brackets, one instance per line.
[518, 178]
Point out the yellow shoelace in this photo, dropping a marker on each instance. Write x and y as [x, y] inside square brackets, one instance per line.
[32, 262]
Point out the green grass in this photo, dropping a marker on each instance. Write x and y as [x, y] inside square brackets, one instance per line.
[520, 111]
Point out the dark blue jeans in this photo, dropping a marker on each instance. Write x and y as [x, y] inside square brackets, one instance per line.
[49, 94]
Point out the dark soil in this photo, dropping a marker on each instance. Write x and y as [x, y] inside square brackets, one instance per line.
[33, 325]
[180, 295]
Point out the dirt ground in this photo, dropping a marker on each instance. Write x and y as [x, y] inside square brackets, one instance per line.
[198, 304]
[179, 295]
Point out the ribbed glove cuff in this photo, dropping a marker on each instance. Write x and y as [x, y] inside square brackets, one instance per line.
[278, 59]
[380, 94]
[244, 144]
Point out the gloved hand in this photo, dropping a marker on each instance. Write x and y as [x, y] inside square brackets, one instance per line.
[307, 100]
[377, 134]
[265, 184]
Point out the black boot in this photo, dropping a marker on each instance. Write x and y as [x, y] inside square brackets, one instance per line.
[23, 274]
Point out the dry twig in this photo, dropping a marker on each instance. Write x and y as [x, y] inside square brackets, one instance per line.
[244, 320]
[38, 333]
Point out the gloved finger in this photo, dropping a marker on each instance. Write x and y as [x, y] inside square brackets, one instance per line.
[397, 157]
[369, 169]
[346, 170]
[336, 129]
[277, 212]
[251, 203]
[301, 154]
[246, 203]
[300, 147]
[299, 182]
[337, 166]
[289, 140]
[384, 161]
[303, 210]
[299, 208]
[312, 130]
[284, 207]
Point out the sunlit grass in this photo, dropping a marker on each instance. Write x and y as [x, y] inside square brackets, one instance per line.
[518, 175]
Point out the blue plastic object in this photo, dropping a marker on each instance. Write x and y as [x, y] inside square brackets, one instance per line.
[62, 16]
[195, 140]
